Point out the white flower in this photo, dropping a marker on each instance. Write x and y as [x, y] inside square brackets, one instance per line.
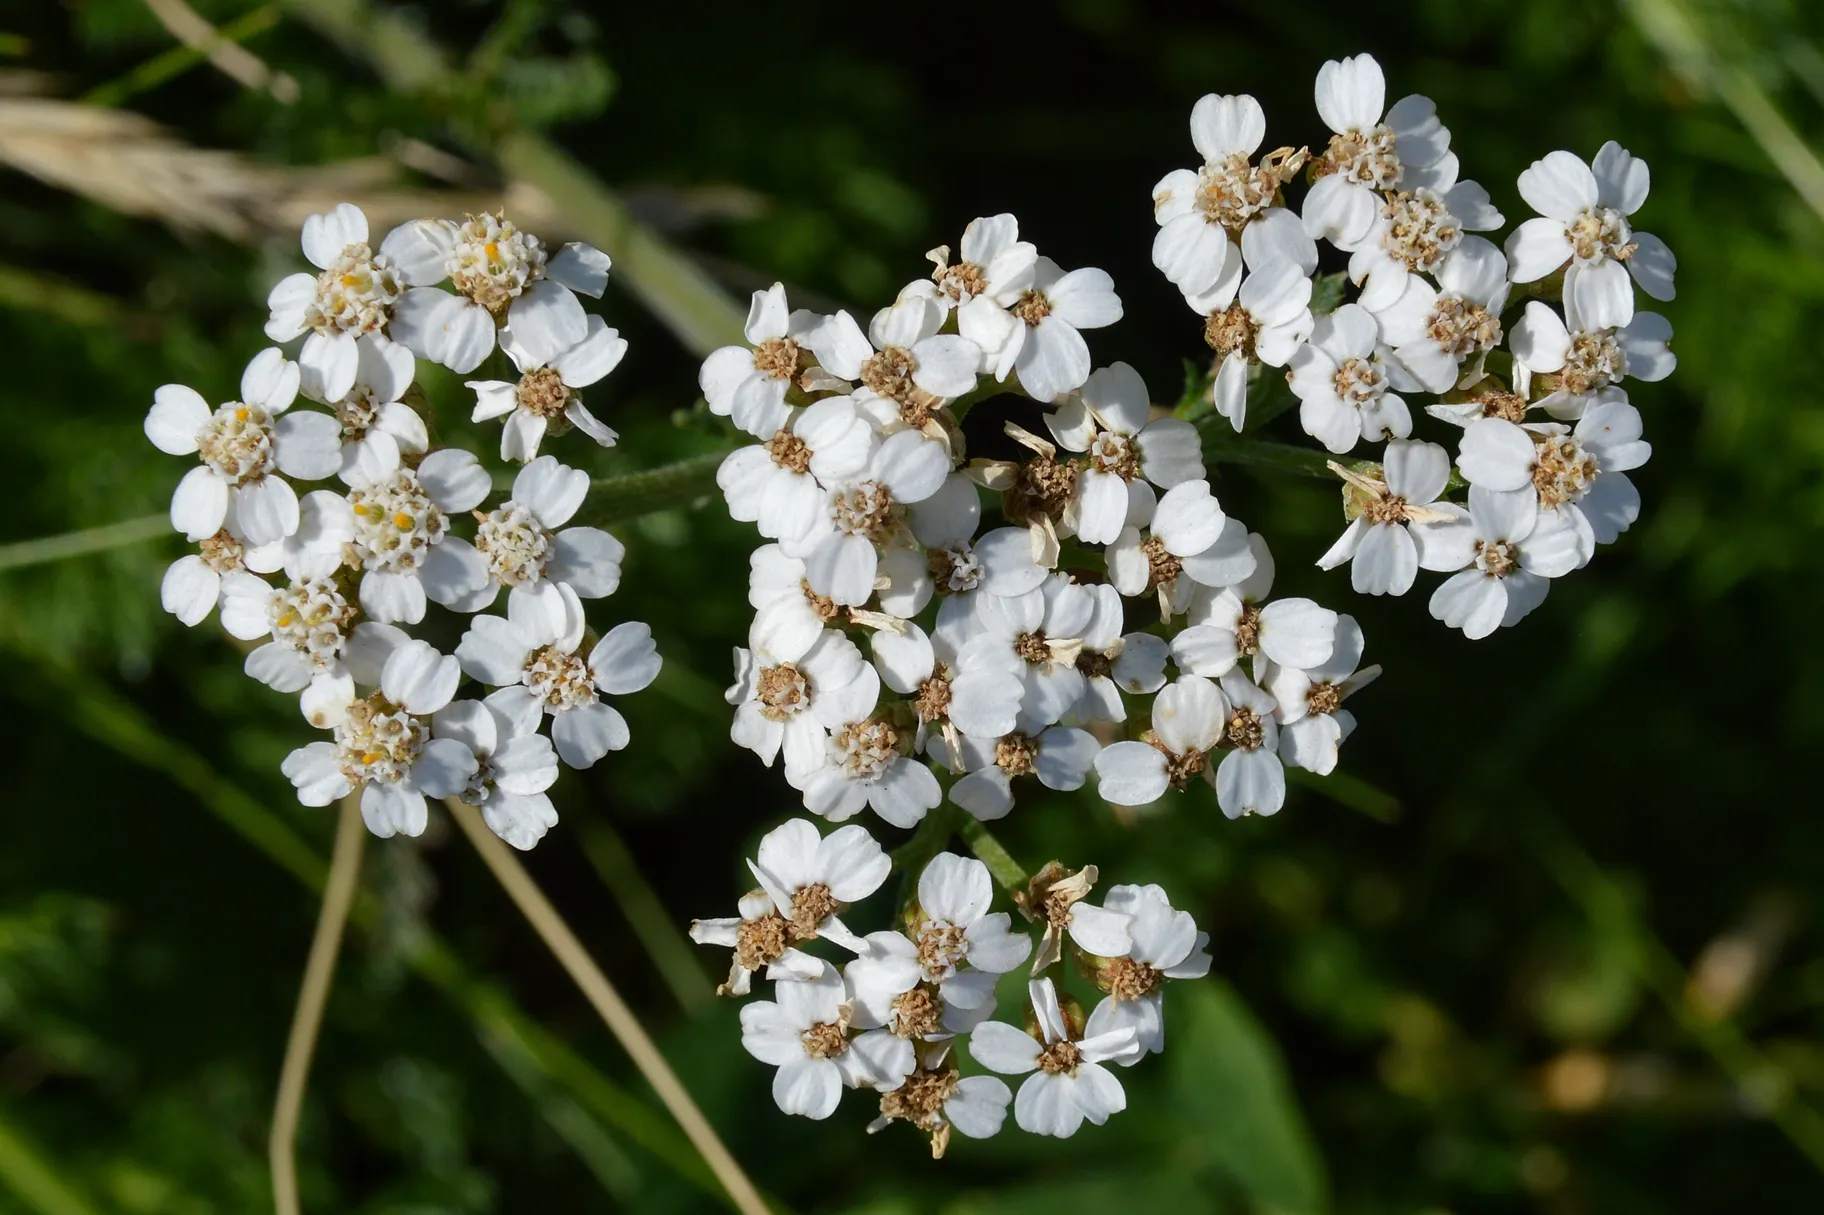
[318, 547]
[1190, 716]
[1198, 211]
[1167, 945]
[1250, 779]
[503, 277]
[1265, 322]
[908, 664]
[1584, 213]
[1577, 471]
[402, 541]
[307, 626]
[804, 1032]
[377, 426]
[1046, 347]
[1416, 231]
[889, 991]
[1434, 332]
[193, 583]
[1060, 757]
[558, 351]
[525, 551]
[1068, 1083]
[354, 296]
[863, 514]
[1342, 376]
[1057, 894]
[1238, 622]
[1108, 419]
[779, 485]
[792, 705]
[1033, 638]
[1112, 662]
[937, 1098]
[1187, 542]
[954, 562]
[1385, 558]
[902, 358]
[243, 447]
[789, 617]
[1367, 156]
[1578, 363]
[993, 264]
[749, 386]
[1312, 721]
[954, 927]
[1506, 549]
[383, 745]
[531, 655]
[868, 767]
[805, 881]
[514, 766]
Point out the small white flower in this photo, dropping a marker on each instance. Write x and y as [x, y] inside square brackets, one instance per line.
[307, 627]
[789, 617]
[354, 296]
[531, 655]
[377, 426]
[1385, 558]
[1182, 543]
[864, 513]
[779, 485]
[402, 541]
[1342, 377]
[806, 880]
[748, 386]
[1112, 662]
[1190, 716]
[909, 664]
[383, 745]
[1577, 471]
[868, 766]
[1368, 155]
[793, 705]
[1265, 322]
[1584, 213]
[1108, 419]
[502, 276]
[937, 1098]
[192, 584]
[526, 552]
[902, 358]
[1047, 347]
[889, 991]
[804, 1032]
[1167, 945]
[1416, 232]
[1440, 333]
[1060, 757]
[1068, 1083]
[993, 264]
[558, 352]
[243, 447]
[1506, 548]
[1312, 721]
[1033, 638]
[1250, 779]
[1238, 622]
[1576, 364]
[514, 767]
[1202, 213]
[954, 563]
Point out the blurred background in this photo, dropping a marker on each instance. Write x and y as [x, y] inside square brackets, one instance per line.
[1550, 944]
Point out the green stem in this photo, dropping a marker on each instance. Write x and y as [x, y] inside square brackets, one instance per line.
[630, 495]
[1001, 865]
[174, 62]
[90, 540]
[29, 1174]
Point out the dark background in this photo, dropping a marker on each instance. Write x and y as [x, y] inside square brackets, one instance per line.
[1550, 944]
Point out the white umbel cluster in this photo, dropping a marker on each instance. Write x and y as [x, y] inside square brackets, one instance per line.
[324, 578]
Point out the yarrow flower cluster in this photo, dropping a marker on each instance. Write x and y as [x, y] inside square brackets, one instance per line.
[324, 579]
[931, 627]
[897, 1013]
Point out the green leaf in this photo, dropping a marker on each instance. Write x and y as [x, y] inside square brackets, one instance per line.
[1231, 1088]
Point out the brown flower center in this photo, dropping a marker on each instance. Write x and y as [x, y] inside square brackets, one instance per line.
[1595, 361]
[932, 702]
[1032, 648]
[1060, 1058]
[1032, 307]
[963, 281]
[1463, 327]
[1017, 754]
[1563, 471]
[760, 942]
[1496, 557]
[543, 393]
[823, 605]
[789, 452]
[1044, 487]
[783, 692]
[1420, 230]
[1388, 508]
[1180, 770]
[1232, 331]
[1599, 233]
[920, 1101]
[1161, 566]
[1126, 979]
[1323, 698]
[1508, 406]
[1368, 158]
[1245, 731]
[780, 359]
[811, 906]
[1247, 630]
[889, 374]
[825, 1040]
[917, 1013]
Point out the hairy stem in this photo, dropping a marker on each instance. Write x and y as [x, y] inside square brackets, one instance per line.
[630, 495]
[1001, 865]
[319, 973]
[600, 993]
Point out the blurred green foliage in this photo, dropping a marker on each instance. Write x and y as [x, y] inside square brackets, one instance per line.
[1450, 1007]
